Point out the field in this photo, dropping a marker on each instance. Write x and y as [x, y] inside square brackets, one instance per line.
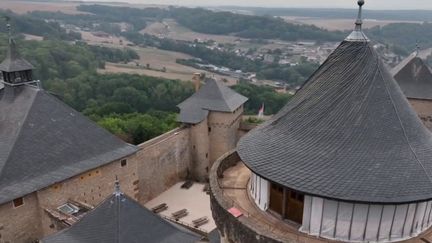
[159, 59]
[339, 24]
[169, 28]
[156, 58]
[22, 7]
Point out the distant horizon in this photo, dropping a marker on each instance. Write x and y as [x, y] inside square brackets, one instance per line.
[329, 4]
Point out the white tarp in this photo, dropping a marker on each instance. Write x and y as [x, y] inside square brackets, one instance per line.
[354, 222]
[259, 189]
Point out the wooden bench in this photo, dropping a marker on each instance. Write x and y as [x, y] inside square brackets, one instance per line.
[160, 208]
[187, 184]
[180, 214]
[201, 221]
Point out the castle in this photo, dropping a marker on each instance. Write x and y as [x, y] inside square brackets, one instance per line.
[346, 160]
[52, 154]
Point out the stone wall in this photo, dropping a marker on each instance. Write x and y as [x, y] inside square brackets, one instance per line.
[91, 187]
[232, 229]
[162, 162]
[158, 165]
[424, 111]
[20, 224]
[223, 133]
[200, 150]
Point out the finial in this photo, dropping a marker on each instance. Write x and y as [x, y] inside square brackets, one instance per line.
[357, 34]
[8, 27]
[417, 51]
[359, 21]
[117, 191]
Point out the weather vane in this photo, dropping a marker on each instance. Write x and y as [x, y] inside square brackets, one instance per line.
[8, 26]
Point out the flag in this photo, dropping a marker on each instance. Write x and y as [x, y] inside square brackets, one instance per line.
[261, 111]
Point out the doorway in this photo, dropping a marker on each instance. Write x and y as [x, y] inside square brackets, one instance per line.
[276, 198]
[294, 206]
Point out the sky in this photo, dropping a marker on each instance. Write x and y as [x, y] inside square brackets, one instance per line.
[370, 4]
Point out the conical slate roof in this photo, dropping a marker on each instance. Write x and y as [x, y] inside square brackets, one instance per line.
[213, 96]
[43, 141]
[13, 61]
[348, 134]
[120, 219]
[414, 77]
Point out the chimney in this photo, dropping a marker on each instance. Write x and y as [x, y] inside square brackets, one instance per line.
[196, 78]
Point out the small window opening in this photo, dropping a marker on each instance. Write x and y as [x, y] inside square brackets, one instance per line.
[123, 163]
[18, 202]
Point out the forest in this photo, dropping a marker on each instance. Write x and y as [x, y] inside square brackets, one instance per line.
[207, 21]
[133, 107]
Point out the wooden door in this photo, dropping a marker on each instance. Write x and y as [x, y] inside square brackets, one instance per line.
[294, 206]
[276, 198]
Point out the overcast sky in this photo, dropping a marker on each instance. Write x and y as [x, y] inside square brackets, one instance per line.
[370, 4]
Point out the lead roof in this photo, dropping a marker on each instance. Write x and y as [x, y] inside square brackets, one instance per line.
[43, 142]
[119, 219]
[348, 134]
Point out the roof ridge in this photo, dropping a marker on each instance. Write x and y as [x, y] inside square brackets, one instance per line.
[19, 131]
[401, 124]
[220, 87]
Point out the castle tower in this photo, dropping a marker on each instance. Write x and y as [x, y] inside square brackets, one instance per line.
[347, 160]
[415, 79]
[213, 113]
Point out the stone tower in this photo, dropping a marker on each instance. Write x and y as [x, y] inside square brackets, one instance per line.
[213, 113]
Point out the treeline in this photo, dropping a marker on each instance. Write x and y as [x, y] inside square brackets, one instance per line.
[57, 60]
[115, 55]
[206, 21]
[403, 36]
[254, 27]
[36, 26]
[259, 95]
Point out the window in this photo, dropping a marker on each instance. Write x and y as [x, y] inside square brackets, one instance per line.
[209, 129]
[123, 163]
[206, 155]
[18, 202]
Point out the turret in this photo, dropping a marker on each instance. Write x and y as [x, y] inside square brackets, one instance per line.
[15, 69]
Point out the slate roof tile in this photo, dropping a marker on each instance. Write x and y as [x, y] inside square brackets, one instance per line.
[348, 134]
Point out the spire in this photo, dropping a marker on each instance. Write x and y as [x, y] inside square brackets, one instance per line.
[15, 69]
[357, 34]
[117, 191]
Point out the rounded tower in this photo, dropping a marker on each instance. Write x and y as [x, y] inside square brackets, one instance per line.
[347, 159]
